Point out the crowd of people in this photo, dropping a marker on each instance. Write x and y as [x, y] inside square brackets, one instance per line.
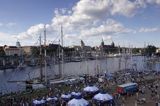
[147, 80]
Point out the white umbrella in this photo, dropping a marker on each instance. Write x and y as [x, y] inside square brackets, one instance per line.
[38, 102]
[103, 97]
[90, 89]
[52, 98]
[78, 102]
[75, 93]
[66, 96]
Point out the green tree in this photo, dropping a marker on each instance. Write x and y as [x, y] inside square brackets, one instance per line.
[2, 52]
[35, 51]
[112, 44]
[151, 49]
[136, 50]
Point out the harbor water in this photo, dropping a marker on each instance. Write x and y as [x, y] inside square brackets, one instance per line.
[90, 67]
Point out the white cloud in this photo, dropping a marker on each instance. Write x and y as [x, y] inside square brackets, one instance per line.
[153, 2]
[11, 24]
[5, 38]
[124, 7]
[86, 12]
[92, 8]
[108, 37]
[149, 29]
[22, 36]
[110, 27]
[37, 29]
[89, 18]
[1, 24]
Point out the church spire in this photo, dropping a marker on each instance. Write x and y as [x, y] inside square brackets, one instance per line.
[102, 43]
[82, 43]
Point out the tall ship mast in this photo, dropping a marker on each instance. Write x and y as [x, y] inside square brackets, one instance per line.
[45, 55]
[41, 70]
[62, 54]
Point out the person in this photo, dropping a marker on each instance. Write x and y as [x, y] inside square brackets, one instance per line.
[123, 101]
[135, 103]
[137, 95]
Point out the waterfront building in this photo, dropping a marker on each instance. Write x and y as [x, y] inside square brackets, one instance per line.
[107, 48]
[28, 50]
[12, 51]
[158, 50]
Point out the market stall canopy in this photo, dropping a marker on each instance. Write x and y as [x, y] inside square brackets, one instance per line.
[65, 97]
[52, 99]
[76, 94]
[78, 102]
[38, 102]
[103, 97]
[90, 89]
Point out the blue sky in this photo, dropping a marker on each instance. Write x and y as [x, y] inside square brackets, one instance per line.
[125, 22]
[26, 13]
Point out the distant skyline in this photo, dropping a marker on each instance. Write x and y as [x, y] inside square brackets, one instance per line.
[126, 22]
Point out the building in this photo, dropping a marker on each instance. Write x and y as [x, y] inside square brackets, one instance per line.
[107, 48]
[85, 48]
[12, 51]
[27, 50]
[158, 50]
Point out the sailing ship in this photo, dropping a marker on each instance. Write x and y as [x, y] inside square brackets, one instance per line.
[36, 81]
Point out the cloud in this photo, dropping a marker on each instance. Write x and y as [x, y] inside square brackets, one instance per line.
[110, 27]
[108, 37]
[149, 29]
[22, 36]
[153, 2]
[11, 24]
[124, 7]
[1, 24]
[86, 19]
[92, 8]
[34, 31]
[90, 18]
[5, 38]
[8, 25]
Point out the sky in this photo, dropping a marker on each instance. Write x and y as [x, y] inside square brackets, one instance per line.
[132, 23]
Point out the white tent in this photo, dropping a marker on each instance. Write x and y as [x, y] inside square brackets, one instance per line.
[90, 89]
[78, 102]
[103, 97]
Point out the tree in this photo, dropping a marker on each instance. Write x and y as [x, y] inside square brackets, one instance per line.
[112, 44]
[35, 51]
[2, 52]
[136, 50]
[151, 49]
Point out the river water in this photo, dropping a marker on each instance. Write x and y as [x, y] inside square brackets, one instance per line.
[91, 67]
